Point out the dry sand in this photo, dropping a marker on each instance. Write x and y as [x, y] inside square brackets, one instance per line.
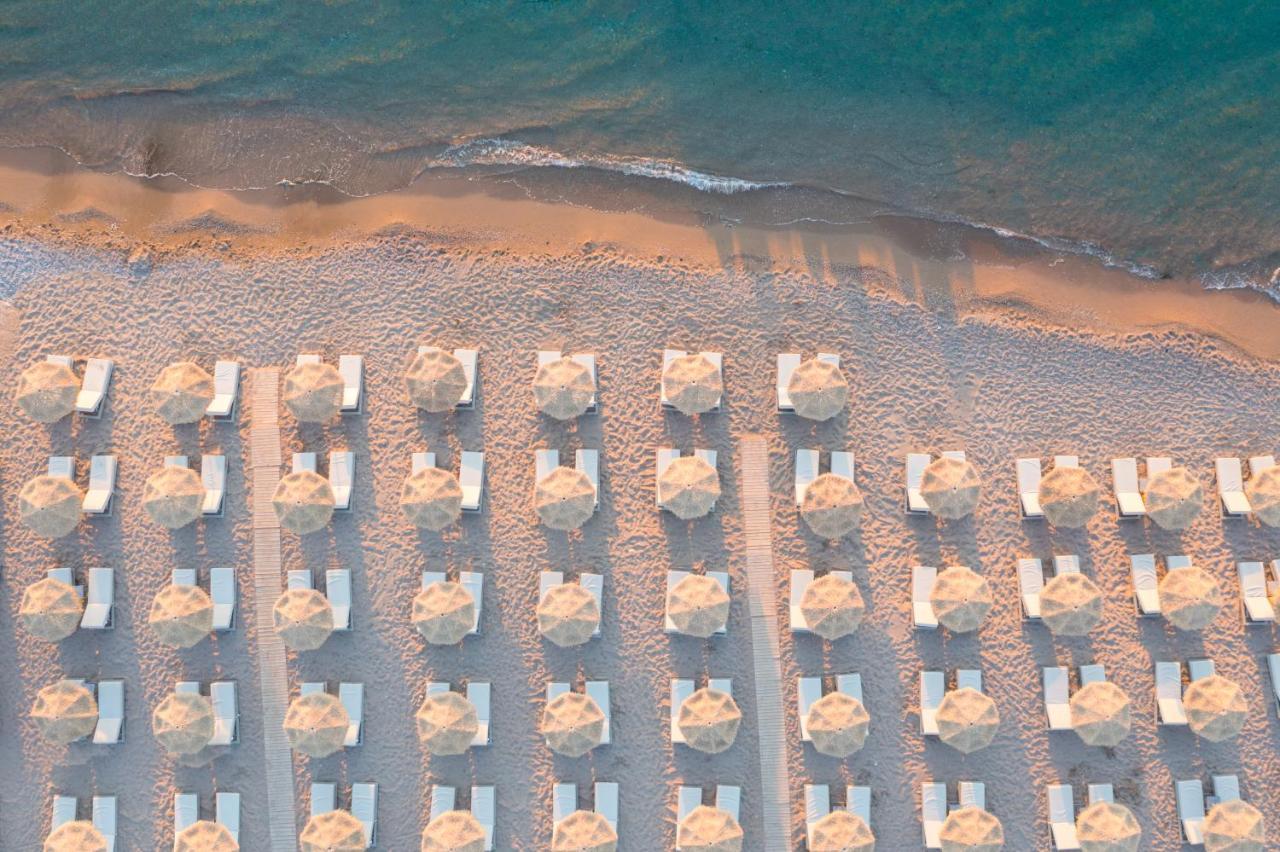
[931, 369]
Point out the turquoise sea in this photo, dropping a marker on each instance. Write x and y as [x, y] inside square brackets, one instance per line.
[1146, 133]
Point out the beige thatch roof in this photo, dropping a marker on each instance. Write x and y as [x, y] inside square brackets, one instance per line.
[572, 724]
[431, 498]
[961, 599]
[967, 720]
[583, 831]
[972, 830]
[1263, 491]
[564, 499]
[1234, 826]
[173, 496]
[568, 615]
[454, 831]
[951, 487]
[1108, 827]
[689, 487]
[316, 724]
[335, 831]
[563, 389]
[838, 724]
[447, 723]
[1100, 714]
[181, 615]
[1174, 497]
[47, 392]
[1216, 709]
[435, 380]
[832, 506]
[303, 618]
[692, 384]
[50, 505]
[1069, 496]
[709, 720]
[832, 607]
[303, 501]
[313, 392]
[182, 393]
[841, 831]
[708, 829]
[818, 390]
[50, 610]
[444, 612]
[65, 712]
[206, 836]
[1071, 604]
[76, 836]
[183, 722]
[1189, 597]
[698, 605]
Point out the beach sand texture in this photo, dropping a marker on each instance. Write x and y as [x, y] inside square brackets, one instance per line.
[923, 378]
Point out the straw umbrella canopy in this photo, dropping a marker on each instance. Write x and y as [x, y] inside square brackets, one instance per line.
[838, 724]
[692, 384]
[50, 505]
[431, 498]
[1234, 826]
[303, 619]
[47, 392]
[1100, 714]
[572, 724]
[444, 612]
[698, 605]
[972, 829]
[1190, 598]
[568, 615]
[65, 712]
[454, 831]
[563, 389]
[1174, 497]
[76, 836]
[435, 380]
[1263, 491]
[832, 506]
[1069, 496]
[334, 831]
[583, 831]
[841, 831]
[1071, 604]
[181, 615]
[818, 390]
[1215, 707]
[447, 723]
[709, 720]
[951, 487]
[689, 487]
[182, 393]
[313, 392]
[708, 829]
[832, 607]
[303, 501]
[316, 724]
[183, 722]
[564, 499]
[961, 599]
[173, 496]
[50, 610]
[206, 836]
[967, 720]
[1108, 827]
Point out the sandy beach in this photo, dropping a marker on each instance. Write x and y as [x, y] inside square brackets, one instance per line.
[950, 340]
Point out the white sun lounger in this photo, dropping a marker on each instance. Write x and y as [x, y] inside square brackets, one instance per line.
[104, 819]
[969, 679]
[808, 691]
[663, 458]
[443, 800]
[99, 607]
[598, 690]
[303, 461]
[1273, 669]
[673, 580]
[470, 359]
[687, 800]
[729, 799]
[1062, 817]
[800, 580]
[183, 576]
[787, 364]
[421, 461]
[1146, 584]
[307, 358]
[806, 472]
[1129, 502]
[1253, 593]
[324, 798]
[352, 697]
[594, 583]
[95, 386]
[478, 695]
[62, 467]
[564, 801]
[588, 461]
[933, 812]
[606, 802]
[817, 804]
[586, 359]
[1169, 709]
[213, 476]
[1029, 487]
[473, 582]
[110, 727]
[1101, 793]
[1226, 788]
[227, 812]
[222, 589]
[1065, 563]
[933, 687]
[186, 812]
[1031, 583]
[972, 794]
[1230, 475]
[226, 713]
[226, 390]
[337, 588]
[342, 478]
[471, 479]
[483, 808]
[1190, 796]
[922, 614]
[64, 811]
[681, 688]
[1199, 669]
[669, 355]
[1156, 464]
[351, 368]
[916, 463]
[364, 807]
[299, 578]
[1092, 673]
[1057, 698]
[64, 575]
[176, 461]
[102, 485]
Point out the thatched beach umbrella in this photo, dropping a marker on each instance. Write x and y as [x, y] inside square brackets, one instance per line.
[568, 615]
[1234, 826]
[50, 505]
[1189, 597]
[431, 498]
[76, 836]
[303, 501]
[1263, 491]
[572, 724]
[698, 605]
[454, 831]
[709, 720]
[1215, 707]
[967, 720]
[50, 610]
[564, 499]
[1071, 604]
[832, 506]
[1174, 497]
[183, 722]
[692, 384]
[832, 607]
[961, 599]
[313, 392]
[444, 612]
[838, 724]
[583, 831]
[563, 389]
[1108, 827]
[182, 393]
[47, 392]
[435, 380]
[302, 618]
[316, 724]
[65, 712]
[818, 390]
[334, 831]
[708, 829]
[689, 487]
[447, 723]
[972, 829]
[173, 496]
[205, 836]
[1069, 496]
[181, 615]
[951, 487]
[841, 831]
[1100, 714]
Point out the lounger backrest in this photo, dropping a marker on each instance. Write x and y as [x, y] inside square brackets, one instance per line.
[973, 794]
[364, 807]
[606, 802]
[817, 802]
[858, 802]
[728, 799]
[969, 679]
[933, 811]
[323, 798]
[186, 811]
[564, 801]
[806, 472]
[227, 810]
[226, 712]
[687, 799]
[442, 799]
[850, 685]
[483, 808]
[598, 690]
[800, 580]
[842, 464]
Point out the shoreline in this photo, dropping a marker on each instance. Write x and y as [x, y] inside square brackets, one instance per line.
[953, 269]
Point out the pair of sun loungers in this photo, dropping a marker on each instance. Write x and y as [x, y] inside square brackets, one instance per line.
[483, 807]
[222, 591]
[728, 798]
[788, 363]
[337, 588]
[66, 809]
[1031, 580]
[666, 455]
[99, 598]
[593, 583]
[673, 579]
[1169, 689]
[1193, 803]
[1057, 692]
[586, 461]
[1029, 473]
[478, 694]
[808, 468]
[810, 689]
[1062, 812]
[669, 355]
[352, 697]
[564, 801]
[800, 580]
[94, 384]
[597, 691]
[817, 804]
[933, 688]
[916, 464]
[472, 581]
[342, 474]
[102, 480]
[186, 812]
[351, 369]
[226, 708]
[1230, 476]
[213, 476]
[364, 805]
[109, 694]
[682, 688]
[586, 359]
[470, 476]
[934, 806]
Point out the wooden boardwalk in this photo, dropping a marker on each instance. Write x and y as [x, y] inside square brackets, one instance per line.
[264, 436]
[775, 785]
